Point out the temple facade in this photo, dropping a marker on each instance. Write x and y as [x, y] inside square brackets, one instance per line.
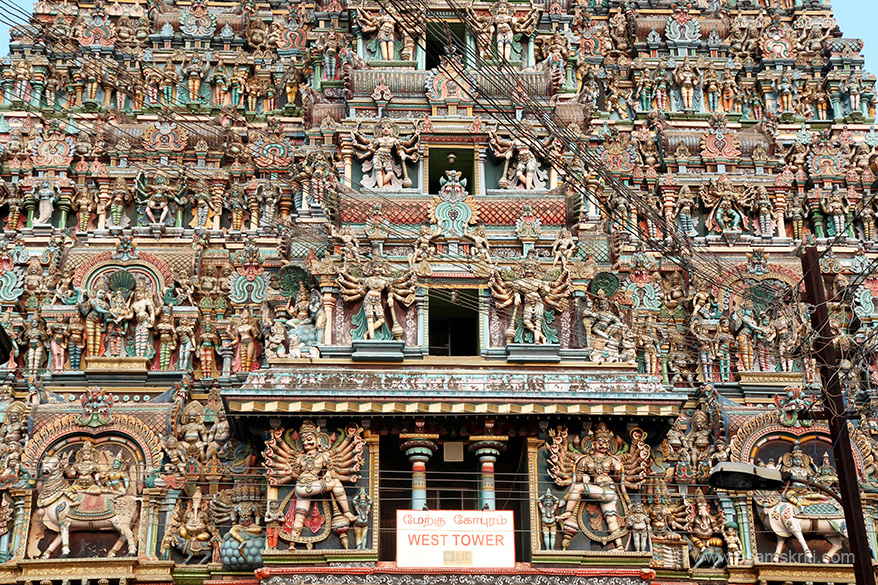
[298, 288]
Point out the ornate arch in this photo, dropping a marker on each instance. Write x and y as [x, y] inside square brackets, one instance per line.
[765, 426]
[753, 272]
[147, 266]
[126, 428]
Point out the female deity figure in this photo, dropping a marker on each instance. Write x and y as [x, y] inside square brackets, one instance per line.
[36, 338]
[836, 209]
[208, 342]
[644, 90]
[378, 154]
[85, 205]
[662, 89]
[95, 308]
[244, 338]
[521, 169]
[683, 211]
[687, 78]
[75, 340]
[167, 339]
[186, 334]
[144, 311]
[723, 344]
[729, 93]
[796, 213]
[711, 87]
[60, 335]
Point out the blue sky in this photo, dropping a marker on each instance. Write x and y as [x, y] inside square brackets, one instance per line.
[855, 17]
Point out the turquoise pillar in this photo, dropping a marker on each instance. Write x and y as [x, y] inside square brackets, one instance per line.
[487, 449]
[419, 449]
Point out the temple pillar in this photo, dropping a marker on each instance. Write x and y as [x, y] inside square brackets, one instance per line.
[419, 448]
[328, 298]
[487, 449]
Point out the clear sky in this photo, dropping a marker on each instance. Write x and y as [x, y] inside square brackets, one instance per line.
[857, 18]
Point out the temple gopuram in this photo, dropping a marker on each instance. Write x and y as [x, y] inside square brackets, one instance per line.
[418, 292]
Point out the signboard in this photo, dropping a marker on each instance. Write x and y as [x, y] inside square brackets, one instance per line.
[455, 538]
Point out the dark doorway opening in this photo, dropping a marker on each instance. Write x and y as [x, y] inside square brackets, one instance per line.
[454, 322]
[436, 46]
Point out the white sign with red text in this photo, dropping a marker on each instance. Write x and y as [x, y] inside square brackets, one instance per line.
[455, 538]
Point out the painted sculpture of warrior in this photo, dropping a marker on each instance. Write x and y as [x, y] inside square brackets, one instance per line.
[369, 285]
[531, 293]
[380, 167]
[594, 474]
[318, 466]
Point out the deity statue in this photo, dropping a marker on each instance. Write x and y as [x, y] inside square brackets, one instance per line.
[746, 324]
[157, 200]
[563, 248]
[369, 285]
[100, 480]
[534, 295]
[36, 339]
[167, 335]
[687, 78]
[481, 247]
[726, 203]
[11, 197]
[380, 169]
[683, 211]
[521, 169]
[208, 342]
[603, 328]
[59, 335]
[835, 206]
[638, 522]
[190, 529]
[144, 312]
[549, 504]
[502, 25]
[384, 23]
[594, 475]
[243, 333]
[192, 435]
[711, 87]
[46, 195]
[723, 342]
[195, 72]
[318, 467]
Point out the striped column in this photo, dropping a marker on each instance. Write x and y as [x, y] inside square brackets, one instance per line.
[419, 449]
[487, 449]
